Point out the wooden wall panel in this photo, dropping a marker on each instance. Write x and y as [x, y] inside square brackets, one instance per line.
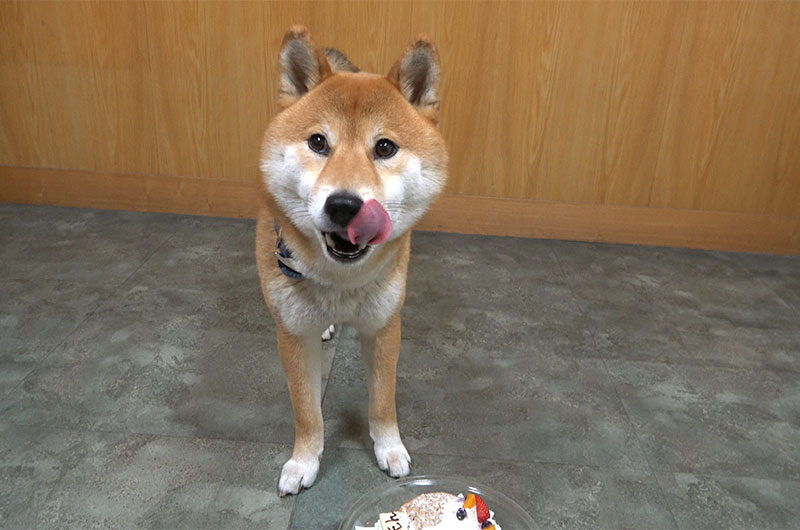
[668, 105]
[731, 137]
[450, 213]
[371, 33]
[569, 95]
[18, 88]
[210, 86]
[611, 104]
[76, 88]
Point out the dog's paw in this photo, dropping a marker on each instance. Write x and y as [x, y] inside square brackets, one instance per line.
[328, 333]
[296, 475]
[393, 457]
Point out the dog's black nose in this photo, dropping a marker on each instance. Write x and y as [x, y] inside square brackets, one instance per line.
[342, 207]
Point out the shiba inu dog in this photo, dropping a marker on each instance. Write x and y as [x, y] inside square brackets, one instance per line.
[350, 163]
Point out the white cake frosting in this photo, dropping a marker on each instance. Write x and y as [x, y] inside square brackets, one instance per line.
[441, 507]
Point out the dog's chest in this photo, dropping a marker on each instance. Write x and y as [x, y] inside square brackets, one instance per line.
[307, 308]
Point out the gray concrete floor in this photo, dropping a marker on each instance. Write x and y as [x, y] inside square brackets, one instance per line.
[602, 386]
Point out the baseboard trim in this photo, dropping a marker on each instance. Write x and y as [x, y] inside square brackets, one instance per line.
[451, 213]
[123, 191]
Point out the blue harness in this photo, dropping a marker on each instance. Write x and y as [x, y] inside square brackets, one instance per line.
[282, 253]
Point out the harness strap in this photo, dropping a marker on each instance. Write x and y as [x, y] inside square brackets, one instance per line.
[285, 257]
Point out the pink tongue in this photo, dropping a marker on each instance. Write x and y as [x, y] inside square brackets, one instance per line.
[371, 224]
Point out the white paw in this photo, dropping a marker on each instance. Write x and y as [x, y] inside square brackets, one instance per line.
[297, 475]
[328, 333]
[392, 457]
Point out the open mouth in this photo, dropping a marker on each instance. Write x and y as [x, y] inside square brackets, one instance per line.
[342, 249]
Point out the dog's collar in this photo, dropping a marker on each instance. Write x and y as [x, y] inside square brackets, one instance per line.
[286, 261]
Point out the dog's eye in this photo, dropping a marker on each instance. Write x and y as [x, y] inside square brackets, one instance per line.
[385, 148]
[318, 144]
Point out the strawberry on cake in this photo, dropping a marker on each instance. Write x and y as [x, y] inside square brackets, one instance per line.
[438, 511]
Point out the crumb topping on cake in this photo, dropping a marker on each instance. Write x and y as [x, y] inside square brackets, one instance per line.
[438, 511]
[427, 510]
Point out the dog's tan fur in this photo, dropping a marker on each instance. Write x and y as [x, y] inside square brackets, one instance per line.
[352, 109]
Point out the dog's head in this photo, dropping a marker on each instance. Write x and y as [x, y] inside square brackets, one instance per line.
[354, 159]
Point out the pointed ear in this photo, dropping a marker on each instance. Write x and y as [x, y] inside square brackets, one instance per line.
[302, 65]
[417, 74]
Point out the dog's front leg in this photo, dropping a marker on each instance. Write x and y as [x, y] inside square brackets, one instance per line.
[302, 361]
[381, 351]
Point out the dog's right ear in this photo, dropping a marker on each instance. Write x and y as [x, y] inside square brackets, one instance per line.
[303, 65]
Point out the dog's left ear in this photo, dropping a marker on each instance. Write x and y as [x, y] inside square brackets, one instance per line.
[417, 75]
[303, 65]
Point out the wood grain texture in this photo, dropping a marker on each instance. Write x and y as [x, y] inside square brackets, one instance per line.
[75, 86]
[671, 105]
[208, 63]
[451, 213]
[610, 223]
[731, 135]
[120, 191]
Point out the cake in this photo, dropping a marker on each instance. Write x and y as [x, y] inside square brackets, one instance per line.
[439, 511]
